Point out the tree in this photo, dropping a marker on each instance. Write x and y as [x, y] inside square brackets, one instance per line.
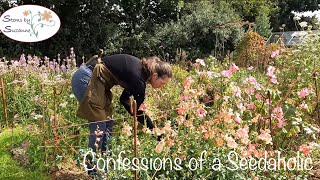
[200, 30]
[284, 14]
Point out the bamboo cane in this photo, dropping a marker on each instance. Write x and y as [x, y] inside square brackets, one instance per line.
[55, 119]
[5, 113]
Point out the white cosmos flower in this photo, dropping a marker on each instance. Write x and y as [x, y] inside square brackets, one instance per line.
[303, 24]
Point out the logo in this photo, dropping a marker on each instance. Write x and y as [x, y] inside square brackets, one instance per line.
[29, 23]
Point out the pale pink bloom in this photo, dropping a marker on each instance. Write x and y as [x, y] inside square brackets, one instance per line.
[237, 118]
[250, 80]
[277, 113]
[305, 149]
[268, 101]
[180, 120]
[277, 110]
[245, 154]
[231, 143]
[252, 147]
[201, 112]
[275, 54]
[256, 178]
[236, 90]
[281, 123]
[243, 134]
[209, 73]
[180, 110]
[183, 98]
[270, 71]
[249, 90]
[258, 96]
[159, 147]
[251, 106]
[250, 68]
[226, 73]
[167, 126]
[304, 92]
[241, 107]
[274, 80]
[188, 81]
[233, 68]
[265, 136]
[201, 62]
[143, 107]
[127, 130]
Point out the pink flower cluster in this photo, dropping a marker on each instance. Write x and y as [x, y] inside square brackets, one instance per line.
[228, 73]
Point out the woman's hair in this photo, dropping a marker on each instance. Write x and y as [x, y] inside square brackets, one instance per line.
[155, 65]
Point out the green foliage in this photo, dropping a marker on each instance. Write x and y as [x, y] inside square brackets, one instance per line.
[263, 21]
[10, 167]
[199, 30]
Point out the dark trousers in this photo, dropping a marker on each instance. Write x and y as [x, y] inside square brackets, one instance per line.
[80, 81]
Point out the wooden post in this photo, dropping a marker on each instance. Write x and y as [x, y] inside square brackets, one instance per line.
[5, 113]
[55, 119]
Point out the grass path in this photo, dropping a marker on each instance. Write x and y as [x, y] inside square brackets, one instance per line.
[9, 168]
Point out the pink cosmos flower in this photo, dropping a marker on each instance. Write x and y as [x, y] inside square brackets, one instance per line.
[243, 134]
[270, 71]
[201, 112]
[180, 110]
[143, 107]
[236, 90]
[250, 68]
[305, 149]
[126, 130]
[265, 136]
[245, 154]
[277, 113]
[188, 81]
[231, 143]
[180, 120]
[159, 147]
[251, 80]
[281, 123]
[233, 68]
[251, 106]
[304, 92]
[241, 106]
[201, 62]
[275, 54]
[249, 90]
[274, 80]
[226, 73]
[258, 96]
[237, 118]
